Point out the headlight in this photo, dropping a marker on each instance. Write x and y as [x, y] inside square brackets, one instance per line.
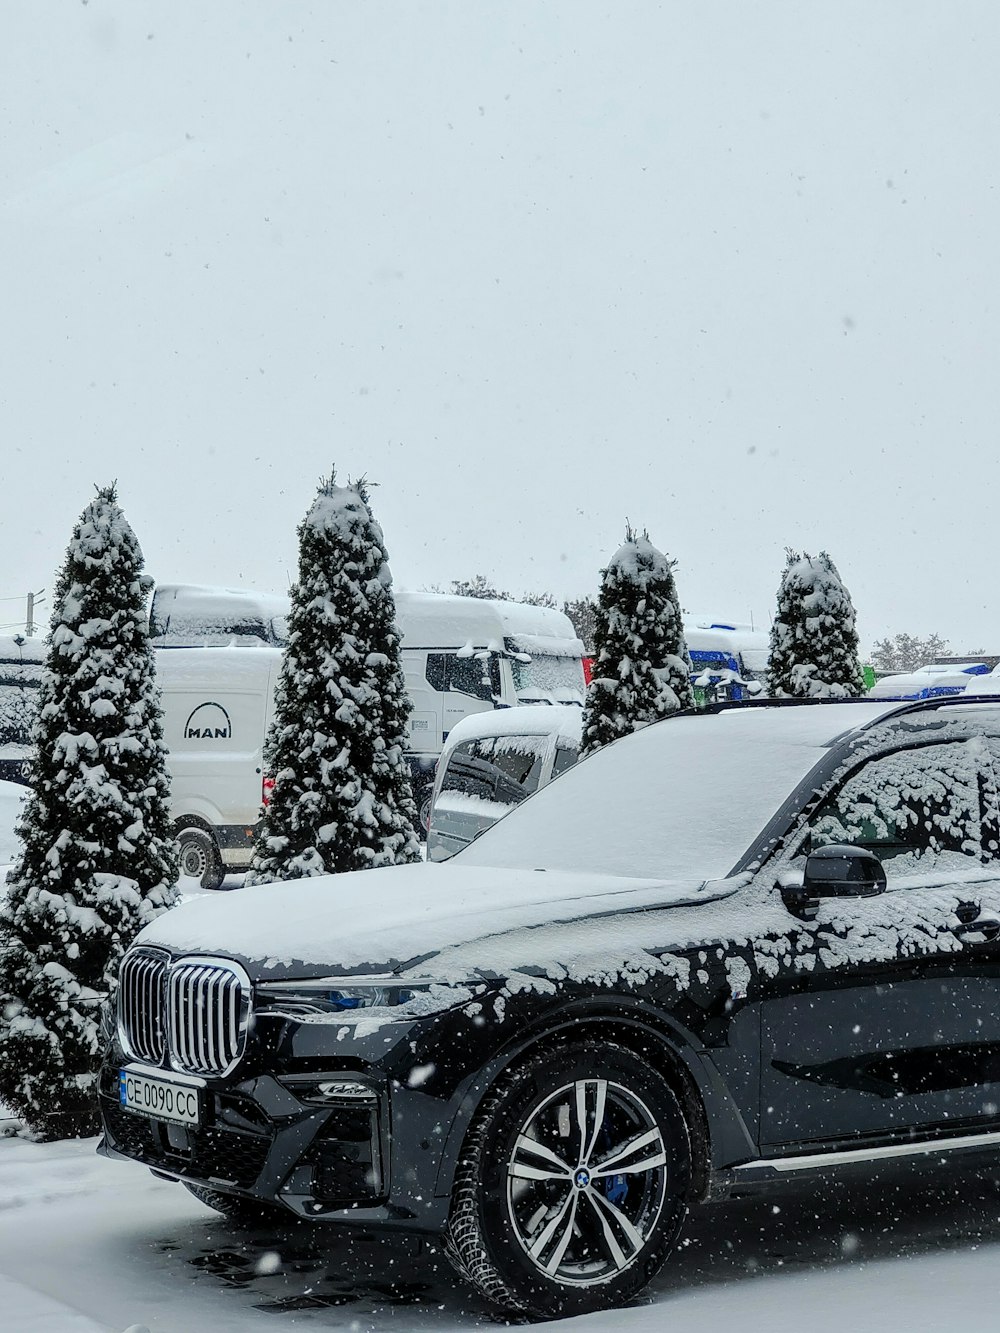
[339, 998]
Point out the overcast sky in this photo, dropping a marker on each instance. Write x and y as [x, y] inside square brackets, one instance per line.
[727, 270]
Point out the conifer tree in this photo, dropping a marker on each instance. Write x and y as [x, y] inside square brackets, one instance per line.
[814, 642]
[642, 670]
[341, 798]
[97, 862]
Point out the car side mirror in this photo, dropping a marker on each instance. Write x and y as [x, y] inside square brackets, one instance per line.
[837, 871]
[841, 871]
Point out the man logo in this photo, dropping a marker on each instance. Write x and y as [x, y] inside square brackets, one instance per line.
[208, 722]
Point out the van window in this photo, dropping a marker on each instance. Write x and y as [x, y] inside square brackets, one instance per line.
[565, 757]
[503, 769]
[519, 758]
[469, 774]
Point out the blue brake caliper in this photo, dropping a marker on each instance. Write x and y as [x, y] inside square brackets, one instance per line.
[615, 1187]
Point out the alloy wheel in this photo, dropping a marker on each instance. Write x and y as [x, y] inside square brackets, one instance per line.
[586, 1181]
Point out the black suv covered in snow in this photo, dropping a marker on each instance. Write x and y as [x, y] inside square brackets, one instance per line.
[735, 947]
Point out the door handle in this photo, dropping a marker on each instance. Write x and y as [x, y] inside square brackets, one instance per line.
[988, 927]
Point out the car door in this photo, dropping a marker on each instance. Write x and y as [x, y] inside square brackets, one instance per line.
[886, 1021]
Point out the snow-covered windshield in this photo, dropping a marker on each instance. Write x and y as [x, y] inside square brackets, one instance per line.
[548, 679]
[682, 799]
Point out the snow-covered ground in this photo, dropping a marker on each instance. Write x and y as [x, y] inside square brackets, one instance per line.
[91, 1246]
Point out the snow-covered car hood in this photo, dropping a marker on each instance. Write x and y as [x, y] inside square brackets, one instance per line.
[402, 918]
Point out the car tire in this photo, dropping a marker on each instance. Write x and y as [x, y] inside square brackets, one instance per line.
[536, 1230]
[200, 858]
[237, 1210]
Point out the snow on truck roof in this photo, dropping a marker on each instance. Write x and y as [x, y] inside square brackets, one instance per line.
[440, 620]
[425, 619]
[230, 668]
[198, 600]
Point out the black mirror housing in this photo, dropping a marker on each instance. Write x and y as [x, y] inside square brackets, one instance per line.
[842, 871]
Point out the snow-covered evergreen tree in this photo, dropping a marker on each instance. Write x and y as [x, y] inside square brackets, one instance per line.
[341, 798]
[97, 862]
[642, 670]
[814, 642]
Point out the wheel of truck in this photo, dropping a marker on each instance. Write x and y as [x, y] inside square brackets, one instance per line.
[572, 1183]
[200, 858]
[241, 1212]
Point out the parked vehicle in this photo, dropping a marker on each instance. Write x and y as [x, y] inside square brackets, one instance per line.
[21, 662]
[490, 763]
[217, 706]
[460, 655]
[611, 1004]
[188, 615]
[938, 680]
[984, 684]
[729, 661]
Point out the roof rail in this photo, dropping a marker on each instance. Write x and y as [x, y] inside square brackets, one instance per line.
[894, 706]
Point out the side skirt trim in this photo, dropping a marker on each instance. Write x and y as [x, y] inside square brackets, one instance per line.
[764, 1168]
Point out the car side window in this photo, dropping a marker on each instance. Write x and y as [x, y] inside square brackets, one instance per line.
[914, 804]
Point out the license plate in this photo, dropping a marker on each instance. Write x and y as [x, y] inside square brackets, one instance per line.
[159, 1099]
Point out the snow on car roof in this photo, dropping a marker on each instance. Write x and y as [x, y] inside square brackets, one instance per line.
[683, 798]
[563, 720]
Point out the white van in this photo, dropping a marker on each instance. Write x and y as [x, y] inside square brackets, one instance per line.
[491, 763]
[466, 655]
[217, 706]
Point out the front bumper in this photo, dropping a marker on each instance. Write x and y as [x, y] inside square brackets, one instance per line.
[363, 1160]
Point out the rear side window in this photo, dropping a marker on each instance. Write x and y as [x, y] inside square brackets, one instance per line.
[565, 757]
